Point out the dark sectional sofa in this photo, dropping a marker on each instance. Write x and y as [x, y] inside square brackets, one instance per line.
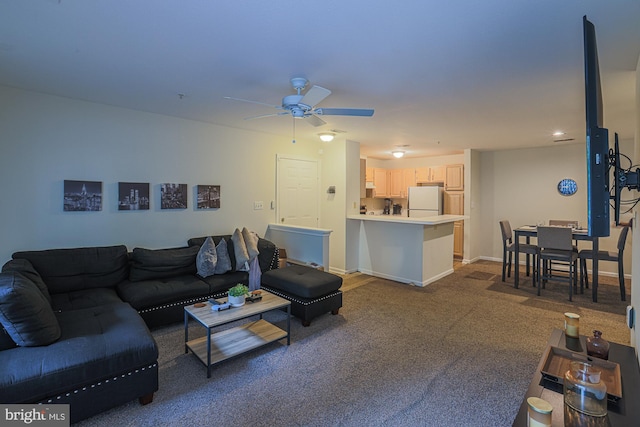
[76, 321]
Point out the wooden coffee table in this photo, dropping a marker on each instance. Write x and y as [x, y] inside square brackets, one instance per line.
[216, 347]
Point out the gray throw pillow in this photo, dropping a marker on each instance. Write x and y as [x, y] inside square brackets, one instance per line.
[224, 262]
[24, 267]
[251, 242]
[240, 249]
[207, 258]
[25, 313]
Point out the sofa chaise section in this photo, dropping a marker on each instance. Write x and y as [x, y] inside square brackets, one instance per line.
[99, 353]
[104, 357]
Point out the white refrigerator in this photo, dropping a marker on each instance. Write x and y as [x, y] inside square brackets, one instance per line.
[425, 201]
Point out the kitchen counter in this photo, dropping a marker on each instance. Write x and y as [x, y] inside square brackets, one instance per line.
[432, 220]
[417, 251]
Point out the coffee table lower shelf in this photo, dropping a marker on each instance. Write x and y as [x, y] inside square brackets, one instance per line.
[235, 341]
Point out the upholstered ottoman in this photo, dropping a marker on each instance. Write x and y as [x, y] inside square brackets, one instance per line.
[311, 292]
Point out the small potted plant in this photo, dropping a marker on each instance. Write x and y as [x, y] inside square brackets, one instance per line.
[237, 294]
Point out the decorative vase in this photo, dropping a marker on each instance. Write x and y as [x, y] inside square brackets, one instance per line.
[598, 346]
[585, 396]
[236, 301]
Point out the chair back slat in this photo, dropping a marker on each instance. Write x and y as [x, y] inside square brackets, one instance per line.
[507, 233]
[622, 240]
[555, 238]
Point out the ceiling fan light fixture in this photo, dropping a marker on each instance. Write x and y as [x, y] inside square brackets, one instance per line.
[397, 154]
[327, 136]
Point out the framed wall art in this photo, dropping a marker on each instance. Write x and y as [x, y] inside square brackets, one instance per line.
[82, 196]
[133, 196]
[208, 197]
[173, 196]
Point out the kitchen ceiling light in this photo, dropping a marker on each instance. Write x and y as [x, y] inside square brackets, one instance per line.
[327, 136]
[397, 154]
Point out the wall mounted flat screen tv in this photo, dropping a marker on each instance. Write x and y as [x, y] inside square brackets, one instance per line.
[597, 139]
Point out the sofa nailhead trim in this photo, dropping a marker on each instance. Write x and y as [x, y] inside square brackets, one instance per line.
[183, 303]
[308, 302]
[153, 365]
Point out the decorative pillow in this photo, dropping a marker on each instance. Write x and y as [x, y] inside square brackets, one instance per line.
[148, 264]
[25, 313]
[24, 267]
[251, 242]
[224, 262]
[207, 258]
[240, 249]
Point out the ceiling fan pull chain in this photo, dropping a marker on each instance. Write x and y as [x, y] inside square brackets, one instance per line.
[294, 130]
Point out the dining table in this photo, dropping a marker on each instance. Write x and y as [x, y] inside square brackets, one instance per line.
[529, 231]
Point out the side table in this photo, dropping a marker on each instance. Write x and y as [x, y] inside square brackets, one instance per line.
[625, 412]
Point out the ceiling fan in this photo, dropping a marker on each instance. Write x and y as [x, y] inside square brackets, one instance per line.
[301, 106]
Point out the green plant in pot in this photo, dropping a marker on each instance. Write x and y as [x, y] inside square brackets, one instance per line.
[237, 294]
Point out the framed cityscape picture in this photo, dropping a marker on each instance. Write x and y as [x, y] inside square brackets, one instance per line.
[133, 196]
[82, 196]
[173, 196]
[208, 197]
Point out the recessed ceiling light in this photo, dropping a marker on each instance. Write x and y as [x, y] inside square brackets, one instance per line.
[397, 153]
[558, 133]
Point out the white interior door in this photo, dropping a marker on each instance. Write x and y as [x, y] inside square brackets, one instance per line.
[297, 192]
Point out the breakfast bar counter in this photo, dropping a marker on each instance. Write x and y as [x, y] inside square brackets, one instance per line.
[417, 251]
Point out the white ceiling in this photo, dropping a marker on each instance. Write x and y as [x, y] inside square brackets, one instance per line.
[441, 76]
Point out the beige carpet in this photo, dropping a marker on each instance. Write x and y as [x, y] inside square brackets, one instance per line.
[460, 351]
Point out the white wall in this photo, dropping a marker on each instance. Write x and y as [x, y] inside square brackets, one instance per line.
[47, 139]
[521, 186]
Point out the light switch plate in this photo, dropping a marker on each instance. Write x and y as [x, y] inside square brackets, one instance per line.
[258, 205]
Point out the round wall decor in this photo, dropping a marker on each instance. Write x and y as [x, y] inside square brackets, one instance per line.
[567, 187]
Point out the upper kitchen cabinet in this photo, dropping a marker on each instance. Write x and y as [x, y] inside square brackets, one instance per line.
[454, 178]
[363, 184]
[431, 174]
[409, 180]
[396, 181]
[368, 174]
[380, 182]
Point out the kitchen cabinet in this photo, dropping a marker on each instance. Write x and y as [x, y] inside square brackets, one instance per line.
[408, 180]
[454, 202]
[454, 205]
[438, 173]
[458, 239]
[454, 178]
[396, 181]
[381, 183]
[363, 184]
[431, 174]
[369, 174]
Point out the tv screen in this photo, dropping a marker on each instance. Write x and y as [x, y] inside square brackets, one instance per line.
[597, 139]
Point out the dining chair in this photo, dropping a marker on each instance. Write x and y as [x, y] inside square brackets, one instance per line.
[509, 247]
[554, 244]
[612, 256]
[563, 223]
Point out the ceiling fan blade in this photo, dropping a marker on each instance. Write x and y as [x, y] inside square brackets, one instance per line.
[284, 113]
[253, 102]
[315, 95]
[360, 112]
[314, 120]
